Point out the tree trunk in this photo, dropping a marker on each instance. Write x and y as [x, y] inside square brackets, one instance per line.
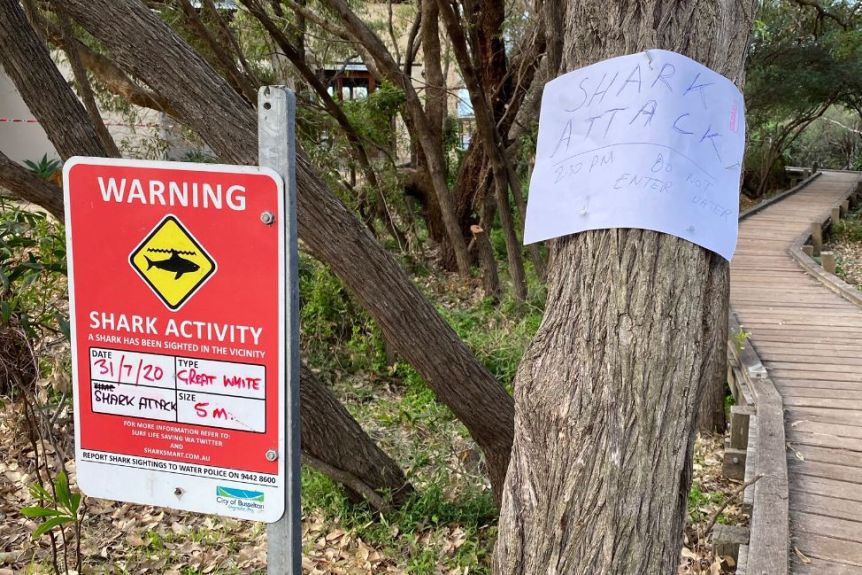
[28, 63]
[487, 133]
[145, 47]
[607, 394]
[467, 182]
[490, 277]
[374, 48]
[711, 417]
[31, 188]
[331, 435]
[435, 82]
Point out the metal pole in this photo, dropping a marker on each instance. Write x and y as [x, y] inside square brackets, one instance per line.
[276, 111]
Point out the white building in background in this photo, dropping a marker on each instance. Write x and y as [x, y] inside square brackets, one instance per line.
[21, 137]
[143, 134]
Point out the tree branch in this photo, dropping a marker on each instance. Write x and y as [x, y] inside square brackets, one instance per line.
[349, 480]
[823, 12]
[27, 62]
[84, 88]
[29, 187]
[111, 76]
[412, 44]
[229, 36]
[225, 62]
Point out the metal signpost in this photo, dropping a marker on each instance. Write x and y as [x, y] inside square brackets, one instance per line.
[185, 336]
[276, 107]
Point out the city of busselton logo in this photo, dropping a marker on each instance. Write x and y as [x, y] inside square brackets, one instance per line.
[239, 494]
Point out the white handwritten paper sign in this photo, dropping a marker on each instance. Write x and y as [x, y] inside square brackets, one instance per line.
[652, 140]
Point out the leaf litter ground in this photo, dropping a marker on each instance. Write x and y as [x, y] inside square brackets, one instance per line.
[449, 529]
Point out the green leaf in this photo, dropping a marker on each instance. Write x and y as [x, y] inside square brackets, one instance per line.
[61, 484]
[39, 492]
[65, 326]
[39, 512]
[75, 504]
[50, 524]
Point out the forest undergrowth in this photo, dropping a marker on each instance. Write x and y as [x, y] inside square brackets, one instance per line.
[447, 527]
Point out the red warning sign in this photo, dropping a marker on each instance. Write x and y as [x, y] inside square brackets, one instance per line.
[176, 285]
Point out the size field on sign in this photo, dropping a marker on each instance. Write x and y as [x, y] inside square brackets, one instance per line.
[177, 295]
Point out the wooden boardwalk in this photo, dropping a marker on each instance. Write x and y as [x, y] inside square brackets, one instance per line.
[810, 340]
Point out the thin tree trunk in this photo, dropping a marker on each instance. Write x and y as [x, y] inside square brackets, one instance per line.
[377, 52]
[607, 393]
[145, 47]
[435, 81]
[468, 180]
[521, 204]
[490, 277]
[487, 132]
[711, 417]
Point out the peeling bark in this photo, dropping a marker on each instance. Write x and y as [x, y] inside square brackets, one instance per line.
[607, 393]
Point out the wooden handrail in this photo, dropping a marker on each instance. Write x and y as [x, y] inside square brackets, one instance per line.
[768, 548]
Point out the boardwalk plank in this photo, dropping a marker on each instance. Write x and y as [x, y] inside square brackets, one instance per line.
[810, 340]
[829, 548]
[825, 470]
[837, 528]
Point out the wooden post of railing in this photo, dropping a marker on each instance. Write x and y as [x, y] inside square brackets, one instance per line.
[845, 208]
[816, 237]
[827, 260]
[836, 215]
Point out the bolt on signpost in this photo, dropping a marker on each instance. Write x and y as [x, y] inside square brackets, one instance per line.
[185, 337]
[276, 107]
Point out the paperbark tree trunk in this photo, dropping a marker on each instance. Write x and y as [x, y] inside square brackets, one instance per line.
[147, 49]
[607, 393]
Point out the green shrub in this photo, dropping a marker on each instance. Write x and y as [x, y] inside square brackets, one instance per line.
[32, 270]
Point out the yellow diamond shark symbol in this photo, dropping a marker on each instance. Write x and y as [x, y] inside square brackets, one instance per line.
[172, 262]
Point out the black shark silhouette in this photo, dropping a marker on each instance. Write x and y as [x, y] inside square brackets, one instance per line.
[174, 264]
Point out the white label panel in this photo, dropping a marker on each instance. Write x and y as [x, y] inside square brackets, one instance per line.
[222, 411]
[134, 400]
[237, 379]
[131, 367]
